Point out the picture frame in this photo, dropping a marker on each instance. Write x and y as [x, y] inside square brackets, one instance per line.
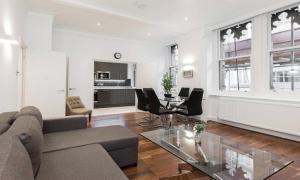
[188, 74]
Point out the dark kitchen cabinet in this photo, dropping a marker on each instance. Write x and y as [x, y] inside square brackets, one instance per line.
[130, 97]
[103, 98]
[114, 98]
[123, 68]
[118, 71]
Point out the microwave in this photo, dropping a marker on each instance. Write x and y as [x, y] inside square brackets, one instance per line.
[102, 75]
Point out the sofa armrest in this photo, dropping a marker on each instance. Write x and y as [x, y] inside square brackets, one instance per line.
[64, 124]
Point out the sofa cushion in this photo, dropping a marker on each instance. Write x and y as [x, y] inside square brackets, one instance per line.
[30, 133]
[33, 111]
[8, 117]
[3, 127]
[14, 160]
[87, 162]
[78, 111]
[75, 102]
[110, 137]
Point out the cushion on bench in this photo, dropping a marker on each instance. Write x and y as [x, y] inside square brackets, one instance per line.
[15, 163]
[87, 162]
[110, 137]
[8, 117]
[28, 129]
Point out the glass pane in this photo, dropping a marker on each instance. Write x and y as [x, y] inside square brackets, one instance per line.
[236, 41]
[297, 70]
[235, 74]
[282, 65]
[173, 73]
[174, 55]
[296, 74]
[297, 34]
[281, 30]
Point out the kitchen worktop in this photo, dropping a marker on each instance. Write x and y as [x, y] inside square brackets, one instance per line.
[113, 87]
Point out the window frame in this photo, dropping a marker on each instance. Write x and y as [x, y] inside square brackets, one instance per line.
[174, 67]
[220, 59]
[271, 49]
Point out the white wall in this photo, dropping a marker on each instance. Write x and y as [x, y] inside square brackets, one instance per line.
[39, 31]
[194, 48]
[260, 109]
[82, 49]
[12, 22]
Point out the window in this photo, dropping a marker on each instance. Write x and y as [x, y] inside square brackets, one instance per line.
[174, 61]
[234, 57]
[285, 50]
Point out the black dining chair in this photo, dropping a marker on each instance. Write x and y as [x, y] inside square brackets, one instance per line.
[156, 108]
[184, 92]
[143, 105]
[193, 104]
[147, 89]
[197, 89]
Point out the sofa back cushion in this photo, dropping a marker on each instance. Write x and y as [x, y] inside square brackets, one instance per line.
[14, 160]
[3, 127]
[8, 117]
[30, 133]
[33, 111]
[74, 102]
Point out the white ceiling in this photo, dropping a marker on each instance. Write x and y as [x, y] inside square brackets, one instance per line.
[133, 19]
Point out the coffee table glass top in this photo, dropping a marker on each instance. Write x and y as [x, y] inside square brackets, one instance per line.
[216, 156]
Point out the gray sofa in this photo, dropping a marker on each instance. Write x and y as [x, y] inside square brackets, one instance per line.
[63, 148]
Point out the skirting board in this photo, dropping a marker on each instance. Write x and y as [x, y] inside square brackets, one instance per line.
[256, 129]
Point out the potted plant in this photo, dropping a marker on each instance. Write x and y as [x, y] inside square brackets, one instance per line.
[198, 129]
[167, 84]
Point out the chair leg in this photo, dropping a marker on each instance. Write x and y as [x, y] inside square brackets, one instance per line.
[90, 117]
[149, 121]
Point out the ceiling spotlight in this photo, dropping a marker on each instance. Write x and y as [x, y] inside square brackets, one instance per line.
[186, 18]
[140, 4]
[99, 24]
[148, 34]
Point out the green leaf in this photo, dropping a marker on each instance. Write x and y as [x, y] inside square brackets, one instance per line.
[167, 83]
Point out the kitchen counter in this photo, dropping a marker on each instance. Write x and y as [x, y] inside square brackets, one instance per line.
[113, 87]
[113, 96]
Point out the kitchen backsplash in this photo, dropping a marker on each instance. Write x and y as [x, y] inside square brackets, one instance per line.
[126, 82]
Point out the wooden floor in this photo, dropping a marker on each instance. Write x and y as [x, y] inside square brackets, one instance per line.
[154, 162]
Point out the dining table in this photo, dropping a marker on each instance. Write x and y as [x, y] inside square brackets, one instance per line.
[173, 99]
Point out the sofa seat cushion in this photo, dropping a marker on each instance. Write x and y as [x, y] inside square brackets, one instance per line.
[110, 137]
[8, 117]
[87, 162]
[79, 111]
[14, 160]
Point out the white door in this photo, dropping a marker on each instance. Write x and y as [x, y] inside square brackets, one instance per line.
[45, 82]
[81, 79]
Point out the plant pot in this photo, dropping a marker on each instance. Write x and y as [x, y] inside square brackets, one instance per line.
[168, 95]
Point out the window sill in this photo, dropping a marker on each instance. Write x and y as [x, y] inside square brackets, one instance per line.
[257, 98]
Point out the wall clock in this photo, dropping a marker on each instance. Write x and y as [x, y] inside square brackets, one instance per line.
[118, 55]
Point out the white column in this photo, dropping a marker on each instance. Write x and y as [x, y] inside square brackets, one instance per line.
[260, 71]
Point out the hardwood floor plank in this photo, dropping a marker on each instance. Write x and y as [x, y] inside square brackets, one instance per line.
[155, 162]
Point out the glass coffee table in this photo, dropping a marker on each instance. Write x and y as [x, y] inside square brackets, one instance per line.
[218, 157]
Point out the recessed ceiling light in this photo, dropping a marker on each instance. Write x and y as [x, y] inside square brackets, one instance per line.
[99, 24]
[186, 18]
[140, 4]
[148, 34]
